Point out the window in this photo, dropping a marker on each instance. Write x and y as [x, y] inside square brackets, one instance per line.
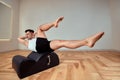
[5, 21]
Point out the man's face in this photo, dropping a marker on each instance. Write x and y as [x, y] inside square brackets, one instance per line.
[29, 35]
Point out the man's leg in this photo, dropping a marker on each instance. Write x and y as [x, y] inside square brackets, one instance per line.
[42, 28]
[55, 23]
[72, 44]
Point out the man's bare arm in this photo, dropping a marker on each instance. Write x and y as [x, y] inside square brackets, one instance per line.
[23, 40]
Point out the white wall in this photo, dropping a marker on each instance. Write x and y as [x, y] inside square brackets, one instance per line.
[115, 15]
[82, 19]
[12, 44]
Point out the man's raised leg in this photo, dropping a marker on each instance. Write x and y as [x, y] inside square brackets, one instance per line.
[47, 26]
[42, 28]
[72, 44]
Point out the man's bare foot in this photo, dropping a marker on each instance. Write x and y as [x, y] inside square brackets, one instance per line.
[57, 21]
[93, 39]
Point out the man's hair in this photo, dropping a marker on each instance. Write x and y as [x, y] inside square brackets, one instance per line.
[29, 30]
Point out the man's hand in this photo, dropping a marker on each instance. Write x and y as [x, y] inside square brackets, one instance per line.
[35, 33]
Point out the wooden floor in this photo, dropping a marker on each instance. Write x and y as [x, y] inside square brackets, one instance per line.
[74, 65]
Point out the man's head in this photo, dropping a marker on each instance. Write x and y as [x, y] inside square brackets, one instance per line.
[29, 33]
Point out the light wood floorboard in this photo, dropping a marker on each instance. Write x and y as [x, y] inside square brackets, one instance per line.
[74, 65]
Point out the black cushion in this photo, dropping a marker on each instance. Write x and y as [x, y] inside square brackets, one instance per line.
[33, 63]
[36, 56]
[20, 63]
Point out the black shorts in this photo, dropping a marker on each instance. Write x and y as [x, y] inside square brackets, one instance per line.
[43, 45]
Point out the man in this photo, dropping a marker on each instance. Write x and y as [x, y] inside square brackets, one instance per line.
[38, 41]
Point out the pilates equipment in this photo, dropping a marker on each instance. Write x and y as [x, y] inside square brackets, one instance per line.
[34, 63]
